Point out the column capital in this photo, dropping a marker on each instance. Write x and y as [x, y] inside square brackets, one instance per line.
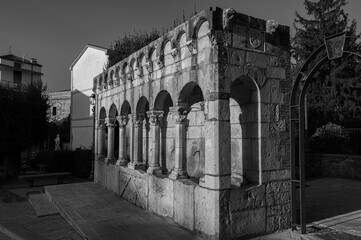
[110, 122]
[155, 116]
[122, 120]
[101, 124]
[179, 113]
[138, 119]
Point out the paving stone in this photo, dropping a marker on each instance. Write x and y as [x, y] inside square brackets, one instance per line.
[118, 217]
[42, 205]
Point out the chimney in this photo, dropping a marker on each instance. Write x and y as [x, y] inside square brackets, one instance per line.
[34, 61]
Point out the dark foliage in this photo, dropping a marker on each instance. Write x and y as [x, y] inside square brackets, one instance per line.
[334, 95]
[77, 162]
[23, 122]
[125, 46]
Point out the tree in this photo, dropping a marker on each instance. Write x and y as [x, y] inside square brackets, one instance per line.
[334, 92]
[125, 46]
[23, 122]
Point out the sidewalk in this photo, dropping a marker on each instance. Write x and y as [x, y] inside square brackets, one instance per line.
[99, 214]
[18, 220]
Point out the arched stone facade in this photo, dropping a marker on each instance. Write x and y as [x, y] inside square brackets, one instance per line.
[201, 116]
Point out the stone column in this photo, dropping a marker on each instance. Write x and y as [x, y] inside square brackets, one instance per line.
[110, 122]
[154, 117]
[101, 138]
[137, 142]
[122, 120]
[180, 114]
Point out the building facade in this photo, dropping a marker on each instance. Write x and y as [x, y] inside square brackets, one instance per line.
[59, 106]
[193, 127]
[16, 72]
[90, 61]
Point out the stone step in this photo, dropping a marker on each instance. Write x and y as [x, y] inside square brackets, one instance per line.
[42, 205]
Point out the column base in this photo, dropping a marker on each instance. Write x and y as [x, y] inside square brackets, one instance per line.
[109, 159]
[178, 174]
[154, 170]
[122, 162]
[135, 166]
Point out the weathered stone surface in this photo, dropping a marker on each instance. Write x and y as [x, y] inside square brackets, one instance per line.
[276, 223]
[257, 59]
[248, 222]
[236, 94]
[112, 178]
[101, 172]
[276, 72]
[276, 175]
[133, 187]
[184, 203]
[243, 199]
[278, 198]
[278, 210]
[161, 196]
[206, 210]
[278, 186]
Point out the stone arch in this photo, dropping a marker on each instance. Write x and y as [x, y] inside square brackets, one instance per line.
[125, 110]
[163, 102]
[113, 112]
[152, 59]
[95, 83]
[141, 109]
[197, 26]
[102, 113]
[124, 68]
[100, 81]
[101, 135]
[142, 105]
[117, 72]
[245, 131]
[204, 45]
[167, 49]
[191, 96]
[105, 78]
[111, 75]
[182, 43]
[142, 70]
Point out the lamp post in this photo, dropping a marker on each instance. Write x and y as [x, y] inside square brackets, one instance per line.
[93, 104]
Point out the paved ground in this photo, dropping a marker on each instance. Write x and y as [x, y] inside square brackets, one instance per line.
[100, 214]
[18, 220]
[329, 197]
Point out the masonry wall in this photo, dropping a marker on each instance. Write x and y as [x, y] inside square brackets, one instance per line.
[234, 77]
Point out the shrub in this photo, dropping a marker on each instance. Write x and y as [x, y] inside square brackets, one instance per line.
[329, 139]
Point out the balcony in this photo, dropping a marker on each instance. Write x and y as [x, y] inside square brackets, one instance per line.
[12, 85]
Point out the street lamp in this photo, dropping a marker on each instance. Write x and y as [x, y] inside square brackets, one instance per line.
[93, 104]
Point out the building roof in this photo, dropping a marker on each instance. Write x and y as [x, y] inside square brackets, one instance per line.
[18, 59]
[88, 45]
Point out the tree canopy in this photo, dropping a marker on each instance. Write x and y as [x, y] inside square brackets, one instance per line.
[23, 121]
[125, 46]
[334, 94]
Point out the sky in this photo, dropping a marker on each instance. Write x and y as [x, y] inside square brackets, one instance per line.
[55, 31]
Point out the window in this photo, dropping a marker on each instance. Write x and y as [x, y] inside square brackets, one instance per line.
[54, 111]
[17, 65]
[17, 77]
